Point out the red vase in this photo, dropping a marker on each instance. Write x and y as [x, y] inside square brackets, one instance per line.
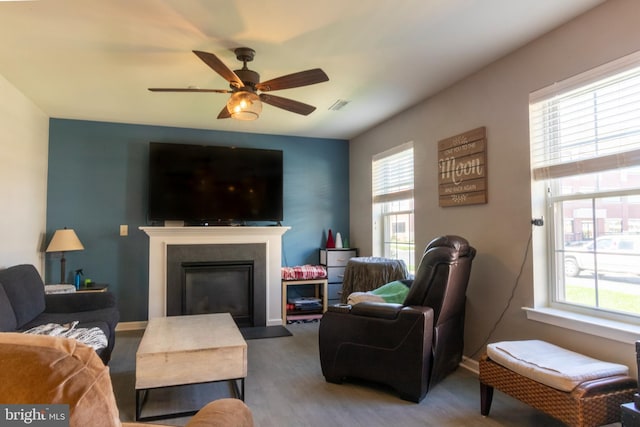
[330, 242]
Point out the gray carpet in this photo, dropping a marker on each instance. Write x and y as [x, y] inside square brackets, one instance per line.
[285, 387]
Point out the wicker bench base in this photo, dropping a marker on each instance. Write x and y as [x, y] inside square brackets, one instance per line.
[591, 404]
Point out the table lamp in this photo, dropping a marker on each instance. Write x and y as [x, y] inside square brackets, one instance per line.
[64, 241]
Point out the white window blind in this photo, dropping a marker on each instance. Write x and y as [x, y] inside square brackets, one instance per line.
[588, 123]
[393, 174]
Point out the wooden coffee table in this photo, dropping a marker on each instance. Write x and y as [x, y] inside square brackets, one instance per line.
[181, 350]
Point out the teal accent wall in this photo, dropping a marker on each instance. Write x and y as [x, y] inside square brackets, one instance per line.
[97, 180]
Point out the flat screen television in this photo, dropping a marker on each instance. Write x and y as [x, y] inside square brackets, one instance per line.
[201, 184]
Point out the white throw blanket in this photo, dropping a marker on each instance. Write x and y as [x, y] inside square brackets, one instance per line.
[93, 337]
[551, 365]
[357, 297]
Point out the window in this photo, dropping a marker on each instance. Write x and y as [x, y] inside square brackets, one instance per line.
[585, 157]
[393, 232]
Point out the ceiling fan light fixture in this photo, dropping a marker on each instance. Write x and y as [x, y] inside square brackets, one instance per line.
[244, 105]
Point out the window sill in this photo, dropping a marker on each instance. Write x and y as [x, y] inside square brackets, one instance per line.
[617, 331]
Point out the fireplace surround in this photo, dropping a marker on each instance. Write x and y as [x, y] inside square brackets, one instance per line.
[220, 240]
[224, 269]
[216, 287]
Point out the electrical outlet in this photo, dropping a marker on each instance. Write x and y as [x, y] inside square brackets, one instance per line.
[124, 230]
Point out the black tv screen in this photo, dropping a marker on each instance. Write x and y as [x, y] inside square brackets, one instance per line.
[202, 184]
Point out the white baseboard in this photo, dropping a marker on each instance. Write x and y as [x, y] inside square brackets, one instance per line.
[131, 326]
[470, 365]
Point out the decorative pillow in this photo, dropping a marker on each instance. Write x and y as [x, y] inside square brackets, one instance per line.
[7, 316]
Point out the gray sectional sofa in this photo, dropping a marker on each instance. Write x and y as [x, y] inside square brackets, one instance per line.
[24, 305]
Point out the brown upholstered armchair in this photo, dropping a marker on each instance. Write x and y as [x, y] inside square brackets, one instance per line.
[409, 346]
[40, 369]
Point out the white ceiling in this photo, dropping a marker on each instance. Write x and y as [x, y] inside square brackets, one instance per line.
[95, 59]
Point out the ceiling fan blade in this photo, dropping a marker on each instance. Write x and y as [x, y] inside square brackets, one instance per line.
[218, 66]
[168, 89]
[302, 78]
[287, 104]
[224, 113]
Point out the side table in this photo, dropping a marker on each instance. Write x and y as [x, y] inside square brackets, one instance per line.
[59, 289]
[94, 287]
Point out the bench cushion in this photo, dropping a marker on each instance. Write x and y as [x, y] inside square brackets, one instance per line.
[551, 365]
[304, 272]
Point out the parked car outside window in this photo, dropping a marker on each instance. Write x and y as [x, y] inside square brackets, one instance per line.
[617, 254]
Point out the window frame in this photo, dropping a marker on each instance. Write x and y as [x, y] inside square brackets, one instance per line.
[400, 193]
[547, 309]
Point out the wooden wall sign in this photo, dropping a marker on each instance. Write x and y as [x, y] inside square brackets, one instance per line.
[462, 167]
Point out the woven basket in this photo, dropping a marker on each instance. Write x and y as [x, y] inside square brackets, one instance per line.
[568, 407]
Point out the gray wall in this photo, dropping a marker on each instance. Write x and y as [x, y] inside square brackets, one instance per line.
[496, 97]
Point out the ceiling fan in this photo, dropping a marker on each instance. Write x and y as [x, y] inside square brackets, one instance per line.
[245, 103]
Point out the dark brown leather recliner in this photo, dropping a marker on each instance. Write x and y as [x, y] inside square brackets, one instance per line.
[410, 346]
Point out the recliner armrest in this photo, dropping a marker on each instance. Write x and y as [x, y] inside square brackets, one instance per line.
[377, 309]
[77, 302]
[339, 308]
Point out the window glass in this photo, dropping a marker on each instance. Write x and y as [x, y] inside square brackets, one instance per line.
[585, 147]
[597, 249]
[393, 219]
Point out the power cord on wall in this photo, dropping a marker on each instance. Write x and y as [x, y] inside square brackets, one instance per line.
[538, 223]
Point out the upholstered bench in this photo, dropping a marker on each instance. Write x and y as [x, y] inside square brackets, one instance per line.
[573, 388]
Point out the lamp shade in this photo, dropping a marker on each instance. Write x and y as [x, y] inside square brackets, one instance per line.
[244, 105]
[64, 241]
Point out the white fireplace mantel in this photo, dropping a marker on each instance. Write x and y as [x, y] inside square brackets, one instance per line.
[161, 237]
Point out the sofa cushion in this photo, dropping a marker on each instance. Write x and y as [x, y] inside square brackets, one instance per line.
[25, 290]
[84, 319]
[7, 317]
[91, 309]
[93, 337]
[62, 319]
[106, 319]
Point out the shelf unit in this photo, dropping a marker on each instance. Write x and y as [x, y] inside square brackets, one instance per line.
[320, 292]
[335, 260]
